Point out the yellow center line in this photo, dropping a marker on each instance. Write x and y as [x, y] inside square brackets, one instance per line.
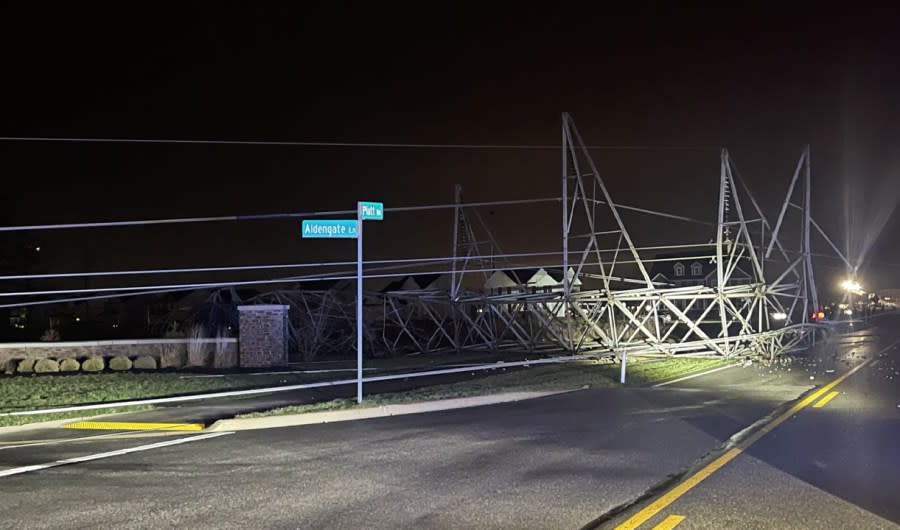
[669, 522]
[824, 401]
[133, 426]
[673, 494]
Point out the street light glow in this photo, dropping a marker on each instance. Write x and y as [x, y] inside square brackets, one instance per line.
[851, 285]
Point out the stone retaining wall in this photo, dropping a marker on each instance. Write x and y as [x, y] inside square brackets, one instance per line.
[170, 353]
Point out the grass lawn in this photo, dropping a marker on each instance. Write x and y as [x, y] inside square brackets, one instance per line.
[567, 376]
[47, 391]
[30, 392]
[33, 392]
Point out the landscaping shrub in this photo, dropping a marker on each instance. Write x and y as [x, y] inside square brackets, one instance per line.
[145, 362]
[224, 355]
[120, 363]
[199, 352]
[25, 366]
[46, 365]
[93, 364]
[69, 365]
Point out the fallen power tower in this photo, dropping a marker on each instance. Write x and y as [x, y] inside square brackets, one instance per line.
[758, 299]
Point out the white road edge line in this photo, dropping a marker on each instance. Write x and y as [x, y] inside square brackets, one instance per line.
[108, 454]
[272, 390]
[685, 378]
[54, 441]
[115, 434]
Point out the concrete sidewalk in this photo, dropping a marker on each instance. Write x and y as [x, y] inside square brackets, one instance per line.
[364, 413]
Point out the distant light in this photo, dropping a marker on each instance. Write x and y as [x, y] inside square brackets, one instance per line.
[851, 285]
[820, 315]
[848, 311]
[115, 325]
[37, 249]
[779, 316]
[77, 319]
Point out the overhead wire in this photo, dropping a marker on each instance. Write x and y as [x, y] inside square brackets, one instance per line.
[235, 268]
[326, 213]
[388, 145]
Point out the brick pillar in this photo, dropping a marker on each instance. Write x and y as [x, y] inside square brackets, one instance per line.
[263, 339]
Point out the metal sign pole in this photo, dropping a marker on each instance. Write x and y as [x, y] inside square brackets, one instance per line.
[359, 303]
[347, 229]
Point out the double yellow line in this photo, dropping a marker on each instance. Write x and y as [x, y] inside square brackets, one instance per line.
[673, 494]
[824, 401]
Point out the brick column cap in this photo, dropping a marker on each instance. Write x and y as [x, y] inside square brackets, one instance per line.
[269, 307]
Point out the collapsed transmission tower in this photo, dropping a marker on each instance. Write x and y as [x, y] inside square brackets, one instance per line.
[735, 310]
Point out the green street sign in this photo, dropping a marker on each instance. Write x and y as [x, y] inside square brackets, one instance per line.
[371, 211]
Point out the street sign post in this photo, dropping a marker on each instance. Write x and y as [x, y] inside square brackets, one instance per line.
[349, 229]
[372, 211]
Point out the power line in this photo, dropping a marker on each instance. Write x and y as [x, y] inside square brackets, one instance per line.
[326, 213]
[411, 261]
[159, 289]
[328, 276]
[263, 217]
[345, 275]
[388, 145]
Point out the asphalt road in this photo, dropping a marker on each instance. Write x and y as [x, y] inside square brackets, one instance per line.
[557, 462]
[833, 464]
[207, 411]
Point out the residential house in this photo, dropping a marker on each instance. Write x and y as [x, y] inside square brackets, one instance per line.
[529, 280]
[683, 270]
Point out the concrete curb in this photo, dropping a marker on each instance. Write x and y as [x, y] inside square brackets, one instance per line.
[313, 418]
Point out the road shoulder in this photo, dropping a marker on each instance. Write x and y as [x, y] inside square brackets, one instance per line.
[311, 418]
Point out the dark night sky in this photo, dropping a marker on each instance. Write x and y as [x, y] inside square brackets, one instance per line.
[762, 81]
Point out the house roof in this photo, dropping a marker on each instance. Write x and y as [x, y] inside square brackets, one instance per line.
[666, 268]
[421, 281]
[557, 274]
[530, 276]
